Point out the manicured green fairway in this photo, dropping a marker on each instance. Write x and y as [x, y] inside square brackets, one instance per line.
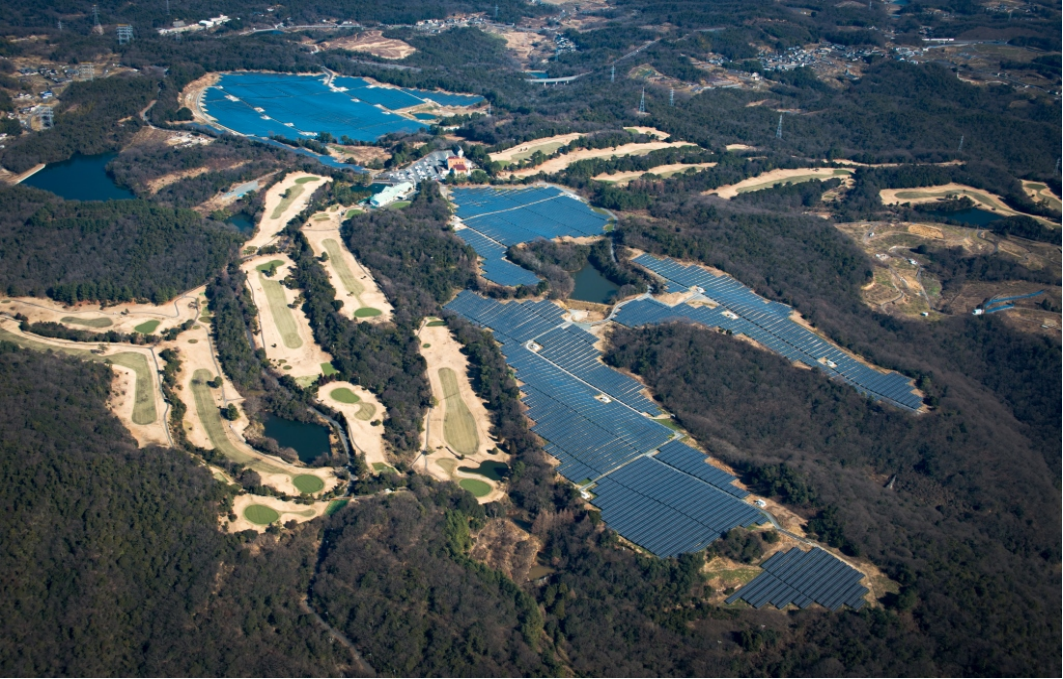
[365, 412]
[475, 486]
[306, 180]
[147, 327]
[269, 266]
[87, 322]
[344, 395]
[335, 506]
[327, 369]
[308, 483]
[282, 315]
[261, 515]
[459, 427]
[289, 197]
[144, 399]
[366, 312]
[335, 258]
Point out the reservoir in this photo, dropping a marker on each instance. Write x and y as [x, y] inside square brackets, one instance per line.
[241, 222]
[970, 217]
[592, 286]
[80, 178]
[309, 440]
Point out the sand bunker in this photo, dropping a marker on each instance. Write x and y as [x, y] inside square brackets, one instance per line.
[460, 421]
[364, 416]
[621, 178]
[257, 518]
[982, 199]
[284, 330]
[561, 162]
[284, 200]
[770, 179]
[371, 42]
[355, 287]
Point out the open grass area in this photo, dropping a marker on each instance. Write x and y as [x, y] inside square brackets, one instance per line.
[306, 180]
[380, 467]
[335, 506]
[475, 486]
[290, 197]
[344, 395]
[459, 426]
[366, 312]
[436, 324]
[339, 265]
[270, 266]
[308, 483]
[496, 471]
[799, 179]
[668, 422]
[144, 399]
[365, 412]
[399, 204]
[320, 218]
[327, 369]
[147, 327]
[87, 322]
[352, 212]
[261, 515]
[28, 343]
[282, 315]
[545, 149]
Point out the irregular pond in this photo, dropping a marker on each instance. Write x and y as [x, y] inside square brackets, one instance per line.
[309, 440]
[80, 178]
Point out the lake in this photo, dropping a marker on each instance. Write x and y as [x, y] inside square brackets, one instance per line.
[970, 217]
[592, 286]
[80, 178]
[309, 440]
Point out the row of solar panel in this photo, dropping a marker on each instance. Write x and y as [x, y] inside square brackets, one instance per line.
[572, 349]
[667, 511]
[495, 266]
[518, 322]
[804, 578]
[723, 289]
[471, 202]
[686, 459]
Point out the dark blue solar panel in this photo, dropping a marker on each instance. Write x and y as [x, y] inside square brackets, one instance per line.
[686, 459]
[512, 216]
[768, 323]
[496, 267]
[803, 578]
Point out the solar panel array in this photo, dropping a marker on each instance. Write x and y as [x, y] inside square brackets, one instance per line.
[495, 265]
[742, 311]
[667, 511]
[804, 578]
[505, 217]
[591, 419]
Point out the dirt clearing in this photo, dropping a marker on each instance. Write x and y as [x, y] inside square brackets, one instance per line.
[284, 330]
[284, 200]
[371, 42]
[621, 178]
[770, 179]
[561, 162]
[459, 422]
[355, 287]
[364, 416]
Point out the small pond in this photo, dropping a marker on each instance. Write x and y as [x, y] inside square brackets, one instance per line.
[308, 440]
[241, 222]
[969, 217]
[80, 178]
[592, 286]
[496, 471]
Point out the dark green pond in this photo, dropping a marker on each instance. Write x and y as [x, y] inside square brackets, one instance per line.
[241, 222]
[969, 217]
[592, 286]
[496, 471]
[80, 178]
[308, 440]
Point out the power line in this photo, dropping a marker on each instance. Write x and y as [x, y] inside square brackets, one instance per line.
[642, 102]
[778, 130]
[612, 78]
[961, 144]
[671, 97]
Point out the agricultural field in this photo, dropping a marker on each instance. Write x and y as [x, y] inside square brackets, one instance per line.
[284, 200]
[354, 284]
[285, 332]
[770, 179]
[364, 416]
[458, 431]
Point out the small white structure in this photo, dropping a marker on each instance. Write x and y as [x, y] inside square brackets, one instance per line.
[389, 194]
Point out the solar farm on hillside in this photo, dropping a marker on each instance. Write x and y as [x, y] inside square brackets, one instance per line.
[498, 218]
[292, 106]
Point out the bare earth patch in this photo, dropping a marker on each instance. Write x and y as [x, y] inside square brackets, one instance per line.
[284, 331]
[561, 162]
[441, 350]
[371, 42]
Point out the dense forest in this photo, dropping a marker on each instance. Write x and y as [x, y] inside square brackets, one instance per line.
[113, 251]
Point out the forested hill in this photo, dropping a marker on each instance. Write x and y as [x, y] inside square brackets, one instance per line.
[104, 251]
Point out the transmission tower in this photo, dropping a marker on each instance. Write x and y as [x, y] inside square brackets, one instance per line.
[167, 7]
[961, 144]
[778, 130]
[125, 33]
[96, 27]
[60, 25]
[642, 102]
[46, 116]
[612, 78]
[86, 71]
[496, 12]
[671, 97]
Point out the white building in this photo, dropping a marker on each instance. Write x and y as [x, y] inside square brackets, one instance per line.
[389, 194]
